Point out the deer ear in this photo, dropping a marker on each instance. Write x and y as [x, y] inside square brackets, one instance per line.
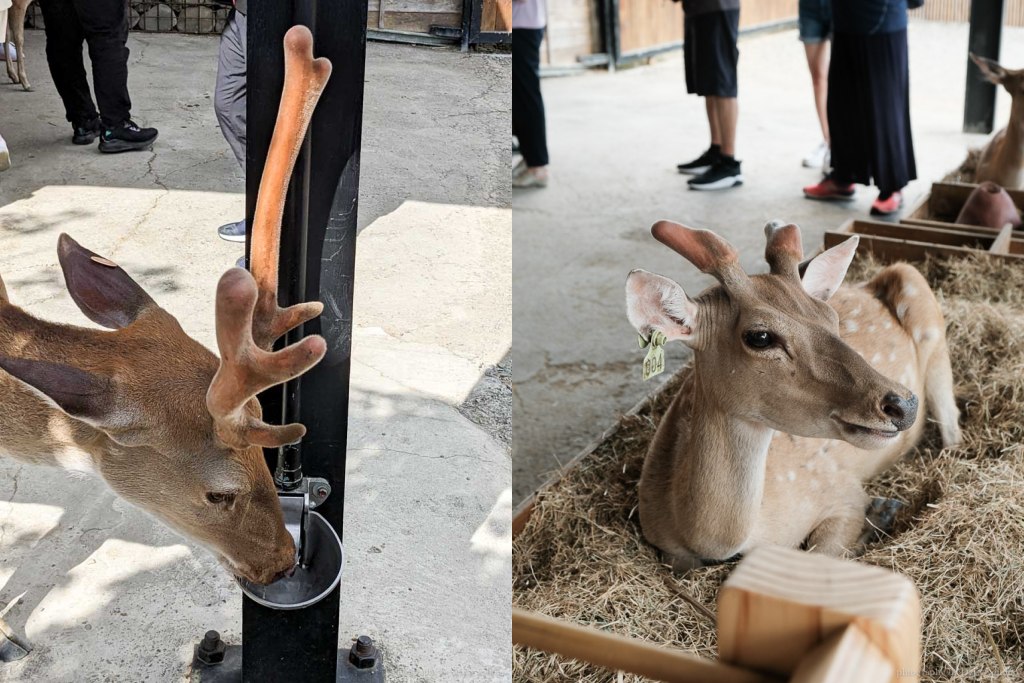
[654, 302]
[990, 69]
[824, 273]
[102, 290]
[78, 393]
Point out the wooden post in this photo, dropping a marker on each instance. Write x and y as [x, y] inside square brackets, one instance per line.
[780, 604]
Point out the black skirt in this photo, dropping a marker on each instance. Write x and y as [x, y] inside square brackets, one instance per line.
[869, 111]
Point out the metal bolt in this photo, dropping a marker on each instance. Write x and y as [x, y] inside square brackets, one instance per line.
[210, 641]
[321, 492]
[363, 653]
[211, 650]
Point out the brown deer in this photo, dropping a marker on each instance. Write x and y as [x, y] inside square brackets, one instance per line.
[168, 426]
[16, 23]
[1002, 159]
[800, 390]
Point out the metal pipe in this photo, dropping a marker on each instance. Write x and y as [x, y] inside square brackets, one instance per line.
[984, 37]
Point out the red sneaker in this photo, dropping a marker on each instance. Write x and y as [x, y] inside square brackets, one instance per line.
[887, 207]
[829, 189]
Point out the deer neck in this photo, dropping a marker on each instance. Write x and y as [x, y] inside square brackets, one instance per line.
[721, 481]
[34, 431]
[1014, 140]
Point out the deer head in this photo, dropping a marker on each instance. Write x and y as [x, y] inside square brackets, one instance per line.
[169, 426]
[767, 347]
[1010, 79]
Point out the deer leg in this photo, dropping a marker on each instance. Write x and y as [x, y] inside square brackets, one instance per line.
[684, 563]
[938, 389]
[18, 35]
[906, 292]
[838, 534]
[8, 20]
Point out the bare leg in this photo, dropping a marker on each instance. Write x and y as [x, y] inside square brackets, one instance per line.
[17, 23]
[817, 61]
[728, 113]
[712, 111]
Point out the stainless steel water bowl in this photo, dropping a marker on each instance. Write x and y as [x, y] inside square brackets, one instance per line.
[311, 584]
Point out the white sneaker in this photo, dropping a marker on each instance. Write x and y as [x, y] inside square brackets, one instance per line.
[816, 158]
[531, 178]
[826, 165]
[8, 53]
[518, 169]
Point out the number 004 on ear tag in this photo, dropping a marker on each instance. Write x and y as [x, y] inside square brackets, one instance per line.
[654, 361]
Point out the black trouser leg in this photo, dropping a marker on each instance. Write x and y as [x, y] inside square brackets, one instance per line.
[105, 25]
[64, 38]
[527, 103]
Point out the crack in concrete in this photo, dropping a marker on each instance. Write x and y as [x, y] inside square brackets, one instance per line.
[145, 217]
[427, 457]
[17, 475]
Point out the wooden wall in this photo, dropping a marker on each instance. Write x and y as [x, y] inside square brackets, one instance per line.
[960, 10]
[574, 26]
[416, 16]
[574, 29]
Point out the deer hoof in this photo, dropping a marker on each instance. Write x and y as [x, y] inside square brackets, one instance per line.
[881, 515]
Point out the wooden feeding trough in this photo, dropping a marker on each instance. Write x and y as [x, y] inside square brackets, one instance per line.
[931, 228]
[783, 615]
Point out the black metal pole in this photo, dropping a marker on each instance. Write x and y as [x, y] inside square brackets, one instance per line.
[984, 37]
[302, 645]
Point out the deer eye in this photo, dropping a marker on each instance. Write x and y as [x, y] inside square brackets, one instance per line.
[220, 498]
[758, 339]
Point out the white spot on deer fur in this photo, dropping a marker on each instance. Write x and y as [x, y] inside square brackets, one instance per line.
[901, 310]
[851, 326]
[929, 334]
[791, 475]
[909, 291]
[876, 358]
[916, 334]
[855, 312]
[892, 356]
[871, 328]
[887, 325]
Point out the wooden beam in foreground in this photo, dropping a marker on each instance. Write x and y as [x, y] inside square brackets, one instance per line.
[619, 653]
[780, 604]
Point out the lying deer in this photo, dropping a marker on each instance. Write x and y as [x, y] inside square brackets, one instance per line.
[16, 24]
[800, 391]
[1002, 159]
[157, 416]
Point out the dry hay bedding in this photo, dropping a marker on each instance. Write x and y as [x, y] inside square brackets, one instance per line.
[960, 538]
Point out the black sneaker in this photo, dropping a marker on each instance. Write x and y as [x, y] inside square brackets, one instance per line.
[126, 137]
[724, 173]
[701, 163]
[232, 232]
[86, 133]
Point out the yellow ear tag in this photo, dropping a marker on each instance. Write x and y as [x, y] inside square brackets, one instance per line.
[654, 362]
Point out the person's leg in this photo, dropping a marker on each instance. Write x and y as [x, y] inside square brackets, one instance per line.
[64, 57]
[528, 111]
[711, 105]
[727, 110]
[817, 62]
[105, 25]
[229, 103]
[229, 97]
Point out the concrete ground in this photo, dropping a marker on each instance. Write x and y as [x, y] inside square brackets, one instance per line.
[106, 593]
[614, 141]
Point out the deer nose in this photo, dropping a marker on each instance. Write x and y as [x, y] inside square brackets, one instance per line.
[902, 411]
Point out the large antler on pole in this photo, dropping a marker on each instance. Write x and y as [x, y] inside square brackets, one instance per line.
[249, 319]
[304, 81]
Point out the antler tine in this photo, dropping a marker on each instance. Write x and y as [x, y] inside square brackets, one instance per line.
[704, 249]
[246, 369]
[784, 249]
[304, 81]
